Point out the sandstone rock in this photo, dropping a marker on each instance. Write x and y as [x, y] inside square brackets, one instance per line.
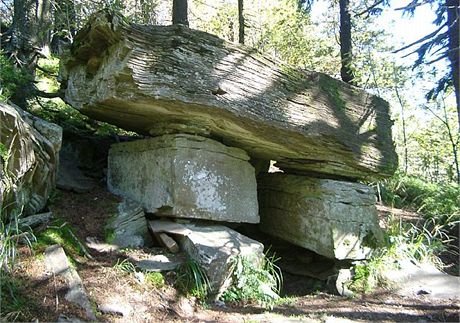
[169, 79]
[167, 242]
[70, 178]
[158, 263]
[29, 150]
[212, 247]
[333, 218]
[185, 176]
[56, 262]
[129, 226]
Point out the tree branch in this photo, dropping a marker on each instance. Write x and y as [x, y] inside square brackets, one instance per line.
[421, 40]
[47, 95]
[378, 2]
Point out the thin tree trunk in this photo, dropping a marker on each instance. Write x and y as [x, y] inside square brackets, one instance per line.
[453, 143]
[179, 12]
[453, 16]
[241, 22]
[404, 129]
[345, 42]
[44, 26]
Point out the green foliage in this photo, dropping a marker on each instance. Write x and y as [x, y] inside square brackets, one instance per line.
[3, 152]
[192, 280]
[252, 283]
[11, 77]
[14, 305]
[157, 280]
[435, 200]
[404, 241]
[60, 232]
[125, 266]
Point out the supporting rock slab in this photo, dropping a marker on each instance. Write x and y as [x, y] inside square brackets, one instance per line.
[128, 227]
[185, 176]
[335, 219]
[56, 262]
[212, 247]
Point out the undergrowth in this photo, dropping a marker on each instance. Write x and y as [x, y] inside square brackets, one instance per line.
[252, 282]
[192, 280]
[434, 200]
[404, 242]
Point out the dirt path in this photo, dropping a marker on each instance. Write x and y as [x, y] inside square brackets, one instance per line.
[144, 302]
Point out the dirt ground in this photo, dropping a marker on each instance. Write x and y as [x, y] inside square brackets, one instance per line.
[105, 284]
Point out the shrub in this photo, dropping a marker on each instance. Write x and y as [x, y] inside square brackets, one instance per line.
[251, 283]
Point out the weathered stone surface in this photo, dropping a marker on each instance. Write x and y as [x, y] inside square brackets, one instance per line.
[158, 263]
[185, 176]
[164, 79]
[70, 178]
[29, 148]
[128, 228]
[57, 263]
[167, 242]
[212, 247]
[333, 218]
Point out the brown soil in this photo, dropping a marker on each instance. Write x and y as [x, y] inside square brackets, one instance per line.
[87, 214]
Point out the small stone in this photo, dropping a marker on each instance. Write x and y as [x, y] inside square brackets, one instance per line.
[128, 226]
[167, 242]
[115, 308]
[160, 263]
[57, 263]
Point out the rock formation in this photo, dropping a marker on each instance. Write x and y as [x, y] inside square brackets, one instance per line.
[172, 79]
[29, 155]
[333, 218]
[185, 176]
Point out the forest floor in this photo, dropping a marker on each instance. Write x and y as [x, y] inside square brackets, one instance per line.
[42, 294]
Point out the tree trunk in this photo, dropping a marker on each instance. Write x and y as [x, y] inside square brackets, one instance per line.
[65, 19]
[179, 12]
[346, 71]
[453, 17]
[22, 47]
[241, 22]
[44, 26]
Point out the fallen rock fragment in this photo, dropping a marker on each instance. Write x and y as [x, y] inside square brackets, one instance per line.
[57, 263]
[185, 176]
[212, 247]
[115, 308]
[128, 227]
[159, 263]
[167, 242]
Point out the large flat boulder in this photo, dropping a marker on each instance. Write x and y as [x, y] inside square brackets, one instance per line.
[29, 157]
[212, 247]
[333, 218]
[169, 79]
[185, 176]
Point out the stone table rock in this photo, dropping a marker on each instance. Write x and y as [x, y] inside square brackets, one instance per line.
[165, 79]
[333, 218]
[185, 176]
[57, 263]
[212, 247]
[29, 150]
